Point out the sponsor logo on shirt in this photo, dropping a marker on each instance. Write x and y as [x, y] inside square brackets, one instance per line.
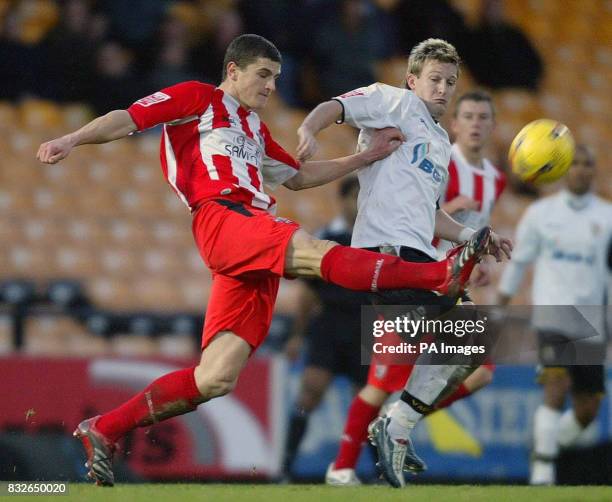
[243, 149]
[419, 152]
[158, 97]
[559, 254]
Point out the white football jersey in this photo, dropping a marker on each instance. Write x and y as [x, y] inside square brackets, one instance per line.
[398, 194]
[567, 238]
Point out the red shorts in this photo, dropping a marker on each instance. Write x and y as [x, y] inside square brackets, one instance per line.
[393, 377]
[244, 248]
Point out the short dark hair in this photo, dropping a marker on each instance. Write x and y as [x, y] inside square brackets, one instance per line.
[347, 185]
[245, 49]
[478, 95]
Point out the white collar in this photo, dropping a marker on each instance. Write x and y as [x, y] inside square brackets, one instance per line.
[576, 202]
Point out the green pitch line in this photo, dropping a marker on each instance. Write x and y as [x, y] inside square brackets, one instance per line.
[319, 493]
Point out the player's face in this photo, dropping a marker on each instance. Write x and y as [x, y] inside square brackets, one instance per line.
[581, 173]
[473, 124]
[254, 84]
[435, 86]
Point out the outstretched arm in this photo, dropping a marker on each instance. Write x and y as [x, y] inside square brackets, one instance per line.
[315, 173]
[449, 229]
[114, 125]
[318, 119]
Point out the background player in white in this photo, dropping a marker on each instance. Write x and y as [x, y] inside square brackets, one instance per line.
[472, 188]
[567, 238]
[398, 211]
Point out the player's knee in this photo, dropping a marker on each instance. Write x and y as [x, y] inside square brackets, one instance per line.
[214, 384]
[305, 253]
[586, 408]
[555, 384]
[309, 401]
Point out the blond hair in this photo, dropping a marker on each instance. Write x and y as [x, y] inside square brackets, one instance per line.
[434, 49]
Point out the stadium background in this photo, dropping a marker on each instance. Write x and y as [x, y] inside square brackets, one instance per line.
[96, 254]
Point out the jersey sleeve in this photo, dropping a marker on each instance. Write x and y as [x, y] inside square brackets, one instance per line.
[177, 102]
[278, 166]
[451, 189]
[527, 246]
[369, 107]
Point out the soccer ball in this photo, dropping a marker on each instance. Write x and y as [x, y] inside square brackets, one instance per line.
[542, 151]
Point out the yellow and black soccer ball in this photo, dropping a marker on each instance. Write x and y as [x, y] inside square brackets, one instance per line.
[542, 151]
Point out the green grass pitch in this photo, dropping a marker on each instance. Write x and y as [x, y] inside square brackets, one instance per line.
[296, 493]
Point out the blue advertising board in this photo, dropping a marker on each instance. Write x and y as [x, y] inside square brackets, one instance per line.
[497, 420]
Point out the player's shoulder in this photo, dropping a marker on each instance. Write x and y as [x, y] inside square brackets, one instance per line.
[546, 206]
[603, 206]
[493, 169]
[378, 89]
[193, 85]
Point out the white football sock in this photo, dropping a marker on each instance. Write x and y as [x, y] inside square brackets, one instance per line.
[426, 383]
[403, 420]
[571, 432]
[545, 445]
[569, 429]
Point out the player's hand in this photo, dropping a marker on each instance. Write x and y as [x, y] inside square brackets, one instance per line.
[499, 247]
[293, 347]
[481, 275]
[55, 150]
[460, 203]
[383, 143]
[307, 144]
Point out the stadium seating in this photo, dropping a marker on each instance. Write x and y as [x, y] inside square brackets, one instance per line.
[105, 215]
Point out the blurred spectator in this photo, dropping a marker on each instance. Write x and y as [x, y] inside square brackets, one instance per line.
[20, 62]
[171, 53]
[133, 22]
[285, 22]
[498, 54]
[70, 51]
[422, 19]
[225, 25]
[345, 47]
[115, 82]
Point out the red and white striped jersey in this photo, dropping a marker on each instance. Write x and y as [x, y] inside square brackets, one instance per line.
[483, 184]
[212, 146]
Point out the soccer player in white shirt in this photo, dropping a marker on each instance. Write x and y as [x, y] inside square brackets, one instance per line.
[398, 212]
[471, 190]
[567, 238]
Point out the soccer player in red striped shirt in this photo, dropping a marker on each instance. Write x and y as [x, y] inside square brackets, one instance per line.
[217, 154]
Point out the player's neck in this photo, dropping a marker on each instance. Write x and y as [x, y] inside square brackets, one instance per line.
[473, 157]
[229, 89]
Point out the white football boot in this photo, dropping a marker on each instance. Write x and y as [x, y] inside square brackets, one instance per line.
[341, 477]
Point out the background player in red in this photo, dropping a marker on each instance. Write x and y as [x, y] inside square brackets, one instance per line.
[473, 187]
[216, 154]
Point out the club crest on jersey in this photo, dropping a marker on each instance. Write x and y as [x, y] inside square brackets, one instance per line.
[244, 150]
[356, 92]
[280, 219]
[419, 151]
[157, 97]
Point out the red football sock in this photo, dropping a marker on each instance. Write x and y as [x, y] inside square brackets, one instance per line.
[355, 433]
[168, 396]
[461, 392]
[363, 270]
